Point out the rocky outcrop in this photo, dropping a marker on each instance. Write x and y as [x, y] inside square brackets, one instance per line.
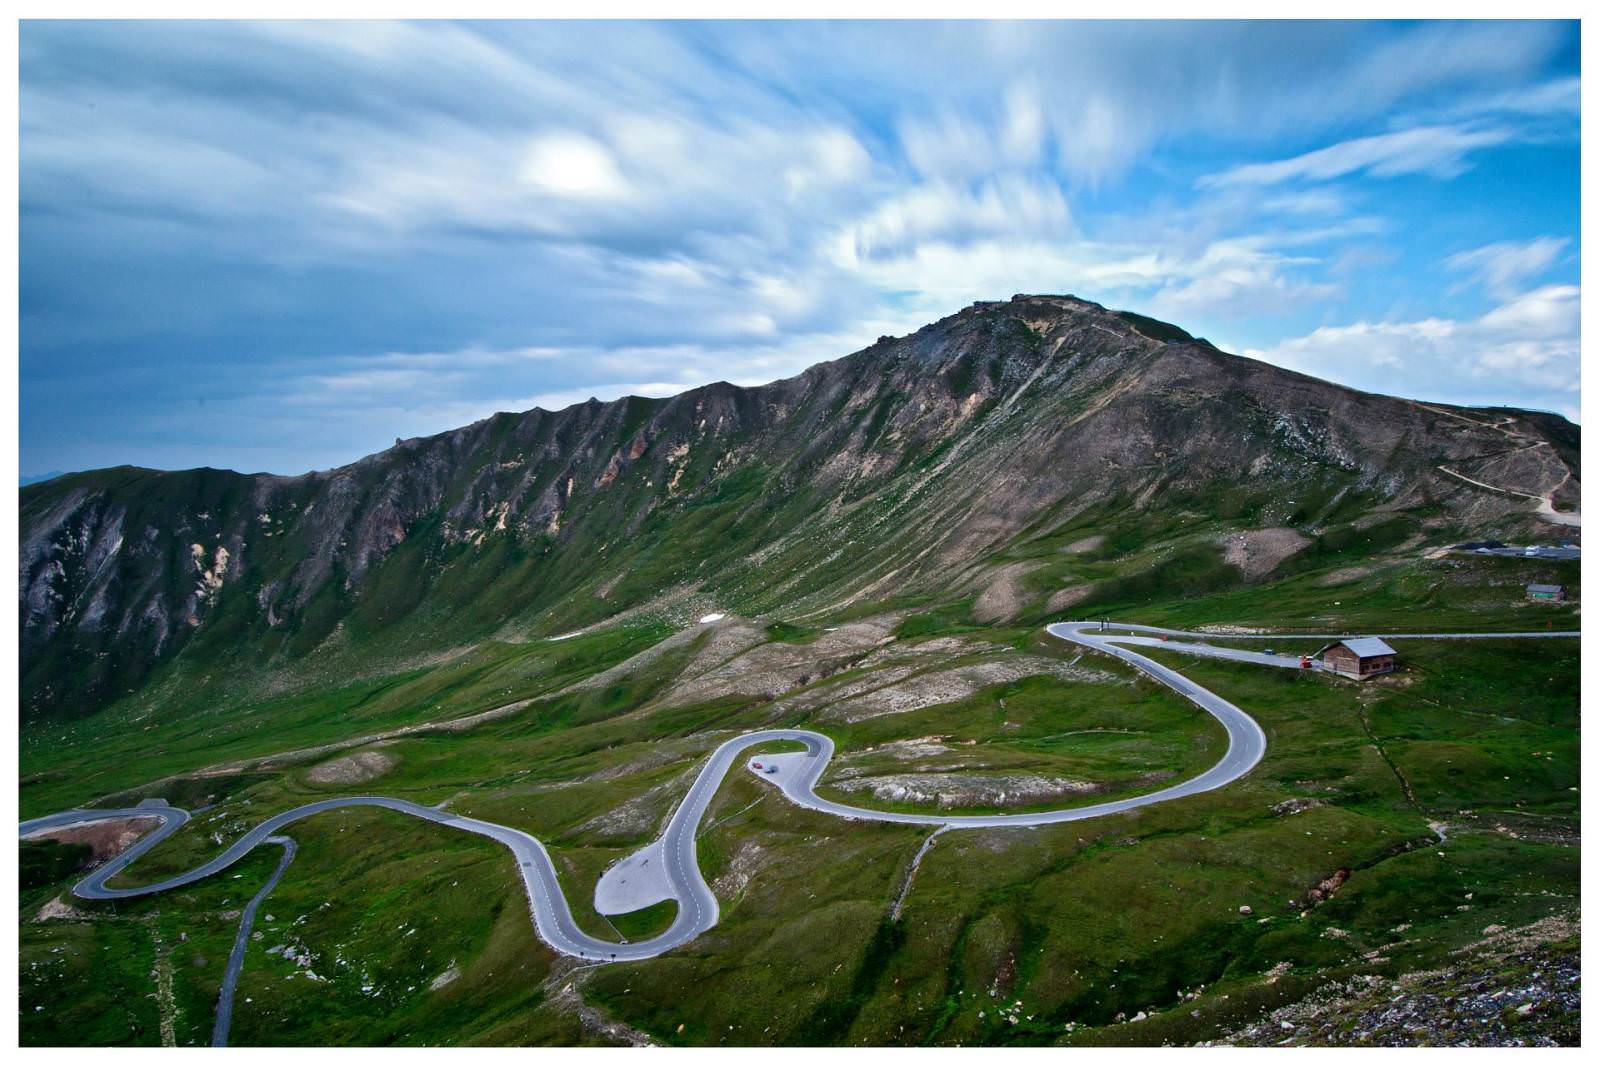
[1518, 989]
[955, 791]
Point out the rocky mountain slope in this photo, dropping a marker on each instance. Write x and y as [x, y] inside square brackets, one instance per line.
[960, 464]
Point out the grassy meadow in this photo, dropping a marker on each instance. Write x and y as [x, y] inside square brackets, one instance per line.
[1439, 802]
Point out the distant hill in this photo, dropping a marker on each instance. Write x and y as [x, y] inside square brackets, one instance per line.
[957, 463]
[34, 479]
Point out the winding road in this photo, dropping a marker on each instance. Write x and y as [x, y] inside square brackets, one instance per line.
[676, 874]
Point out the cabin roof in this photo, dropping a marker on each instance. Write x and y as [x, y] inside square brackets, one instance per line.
[1367, 647]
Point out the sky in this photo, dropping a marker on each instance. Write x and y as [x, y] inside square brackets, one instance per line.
[280, 246]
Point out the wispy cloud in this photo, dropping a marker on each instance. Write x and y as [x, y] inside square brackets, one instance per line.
[301, 240]
[1557, 98]
[1437, 150]
[1503, 267]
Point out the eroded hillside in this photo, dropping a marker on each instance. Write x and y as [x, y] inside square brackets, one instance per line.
[950, 463]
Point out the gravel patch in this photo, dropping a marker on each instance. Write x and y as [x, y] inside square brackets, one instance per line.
[352, 769]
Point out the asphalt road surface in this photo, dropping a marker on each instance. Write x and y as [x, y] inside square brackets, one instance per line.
[241, 941]
[1521, 553]
[796, 776]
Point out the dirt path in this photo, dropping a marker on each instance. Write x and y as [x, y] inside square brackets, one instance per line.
[1500, 426]
[1546, 508]
[1546, 505]
[166, 999]
[911, 874]
[569, 995]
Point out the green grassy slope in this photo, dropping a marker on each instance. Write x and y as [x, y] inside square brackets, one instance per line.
[1446, 793]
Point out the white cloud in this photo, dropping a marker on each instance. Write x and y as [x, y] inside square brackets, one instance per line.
[1101, 135]
[1561, 97]
[659, 177]
[947, 146]
[570, 164]
[1437, 150]
[1319, 201]
[1502, 268]
[956, 146]
[1230, 278]
[949, 213]
[1552, 311]
[1235, 279]
[833, 157]
[1524, 351]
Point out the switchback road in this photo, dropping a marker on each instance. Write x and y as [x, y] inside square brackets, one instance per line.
[676, 866]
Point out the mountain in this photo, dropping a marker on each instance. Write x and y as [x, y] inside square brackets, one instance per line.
[966, 464]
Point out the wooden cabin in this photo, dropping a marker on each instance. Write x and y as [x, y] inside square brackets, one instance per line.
[1546, 593]
[1358, 657]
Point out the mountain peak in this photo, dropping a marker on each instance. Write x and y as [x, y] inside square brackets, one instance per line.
[903, 470]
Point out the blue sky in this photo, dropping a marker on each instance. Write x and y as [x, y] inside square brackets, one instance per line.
[280, 246]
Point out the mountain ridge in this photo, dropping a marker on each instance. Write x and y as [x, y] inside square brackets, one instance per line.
[919, 465]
